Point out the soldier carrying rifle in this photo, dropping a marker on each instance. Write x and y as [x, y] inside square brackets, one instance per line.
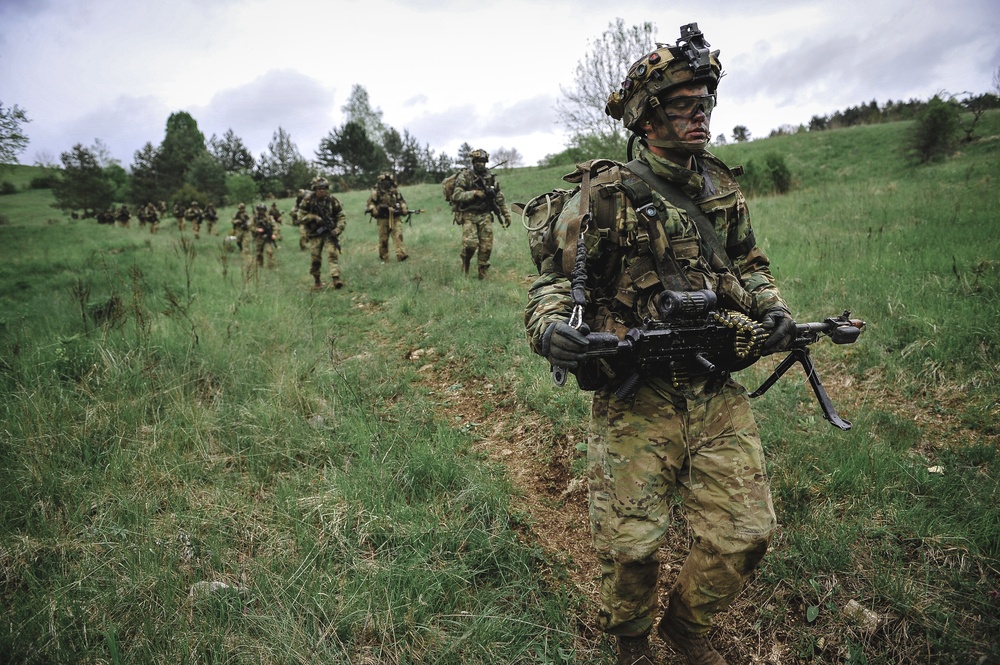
[323, 217]
[387, 205]
[478, 199]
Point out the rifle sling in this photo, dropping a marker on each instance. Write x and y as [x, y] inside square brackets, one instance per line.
[708, 238]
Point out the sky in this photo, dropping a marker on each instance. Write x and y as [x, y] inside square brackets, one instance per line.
[483, 72]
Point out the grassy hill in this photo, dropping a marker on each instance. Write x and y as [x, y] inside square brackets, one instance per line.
[227, 467]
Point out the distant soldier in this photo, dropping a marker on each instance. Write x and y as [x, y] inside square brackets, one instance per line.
[211, 217]
[179, 215]
[478, 197]
[124, 216]
[387, 206]
[162, 207]
[262, 230]
[303, 233]
[193, 214]
[106, 216]
[241, 224]
[323, 217]
[275, 216]
[151, 216]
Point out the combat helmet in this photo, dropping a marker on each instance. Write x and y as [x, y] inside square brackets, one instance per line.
[687, 61]
[262, 206]
[479, 155]
[319, 182]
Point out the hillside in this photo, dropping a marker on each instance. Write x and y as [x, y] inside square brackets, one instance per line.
[201, 464]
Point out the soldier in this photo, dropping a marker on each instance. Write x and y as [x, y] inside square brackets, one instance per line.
[211, 217]
[241, 224]
[685, 429]
[193, 214]
[124, 216]
[179, 215]
[478, 198]
[303, 233]
[386, 205]
[262, 230]
[152, 217]
[324, 220]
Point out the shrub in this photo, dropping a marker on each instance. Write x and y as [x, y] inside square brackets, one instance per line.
[7, 187]
[935, 132]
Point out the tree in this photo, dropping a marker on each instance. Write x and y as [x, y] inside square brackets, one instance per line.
[508, 158]
[933, 135]
[741, 134]
[358, 109]
[282, 169]
[144, 183]
[392, 144]
[13, 140]
[351, 153]
[463, 155]
[231, 153]
[240, 188]
[600, 72]
[207, 175]
[182, 144]
[83, 184]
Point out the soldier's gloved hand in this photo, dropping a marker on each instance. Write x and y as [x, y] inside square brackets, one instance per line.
[780, 326]
[479, 194]
[506, 221]
[564, 345]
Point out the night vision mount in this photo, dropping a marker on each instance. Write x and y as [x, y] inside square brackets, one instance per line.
[694, 48]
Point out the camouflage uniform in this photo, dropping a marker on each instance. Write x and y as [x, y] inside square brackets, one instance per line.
[699, 439]
[303, 232]
[263, 231]
[241, 225]
[387, 206]
[178, 211]
[124, 216]
[193, 214]
[324, 219]
[152, 217]
[474, 212]
[211, 217]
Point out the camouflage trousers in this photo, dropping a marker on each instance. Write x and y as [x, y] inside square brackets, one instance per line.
[316, 247]
[261, 249]
[390, 226]
[640, 452]
[477, 235]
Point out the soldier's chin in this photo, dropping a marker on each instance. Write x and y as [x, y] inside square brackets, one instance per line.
[695, 146]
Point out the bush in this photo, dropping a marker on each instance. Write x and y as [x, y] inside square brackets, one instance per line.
[773, 177]
[934, 135]
[7, 187]
[43, 181]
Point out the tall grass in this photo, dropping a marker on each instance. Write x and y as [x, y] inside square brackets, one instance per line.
[200, 467]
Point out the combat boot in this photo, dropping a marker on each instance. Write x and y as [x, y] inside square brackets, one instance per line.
[634, 651]
[466, 261]
[482, 271]
[337, 284]
[696, 650]
[317, 284]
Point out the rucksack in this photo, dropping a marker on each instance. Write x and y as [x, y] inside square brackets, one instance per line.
[448, 188]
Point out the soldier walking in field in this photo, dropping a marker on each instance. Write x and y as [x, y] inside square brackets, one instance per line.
[211, 217]
[193, 214]
[152, 217]
[124, 216]
[303, 233]
[264, 236]
[324, 219]
[653, 228]
[478, 198]
[178, 211]
[387, 206]
[241, 225]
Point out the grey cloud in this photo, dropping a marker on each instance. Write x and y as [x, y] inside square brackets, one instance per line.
[536, 114]
[280, 98]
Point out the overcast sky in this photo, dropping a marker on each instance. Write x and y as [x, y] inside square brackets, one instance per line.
[479, 71]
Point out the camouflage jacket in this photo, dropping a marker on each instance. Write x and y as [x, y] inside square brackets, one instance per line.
[622, 273]
[316, 213]
[194, 212]
[466, 186]
[382, 201]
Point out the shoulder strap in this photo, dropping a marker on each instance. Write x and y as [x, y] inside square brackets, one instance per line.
[708, 238]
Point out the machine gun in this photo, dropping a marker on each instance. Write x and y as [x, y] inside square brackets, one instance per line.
[693, 338]
[264, 229]
[410, 213]
[325, 229]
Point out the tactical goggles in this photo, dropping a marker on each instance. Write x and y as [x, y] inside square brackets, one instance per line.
[686, 106]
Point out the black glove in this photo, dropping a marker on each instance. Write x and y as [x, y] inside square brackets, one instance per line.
[781, 330]
[564, 345]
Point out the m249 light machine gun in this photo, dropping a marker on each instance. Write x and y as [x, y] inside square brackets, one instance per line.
[693, 338]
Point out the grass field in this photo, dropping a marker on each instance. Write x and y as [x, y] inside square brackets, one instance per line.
[242, 470]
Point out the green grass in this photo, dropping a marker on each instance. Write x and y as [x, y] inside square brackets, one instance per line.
[291, 445]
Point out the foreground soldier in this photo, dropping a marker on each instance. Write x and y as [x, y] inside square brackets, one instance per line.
[478, 197]
[686, 429]
[387, 206]
[324, 220]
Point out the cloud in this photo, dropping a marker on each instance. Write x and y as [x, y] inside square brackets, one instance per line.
[285, 98]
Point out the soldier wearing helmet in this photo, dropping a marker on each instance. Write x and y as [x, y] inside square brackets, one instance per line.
[241, 225]
[210, 217]
[387, 206]
[673, 219]
[264, 235]
[193, 214]
[323, 217]
[478, 199]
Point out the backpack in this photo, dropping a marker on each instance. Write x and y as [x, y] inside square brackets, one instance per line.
[539, 215]
[448, 188]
